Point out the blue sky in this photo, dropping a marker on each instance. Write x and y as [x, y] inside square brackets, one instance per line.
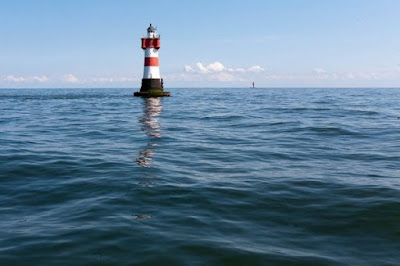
[298, 43]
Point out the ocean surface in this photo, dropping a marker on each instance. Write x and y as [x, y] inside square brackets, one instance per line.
[205, 177]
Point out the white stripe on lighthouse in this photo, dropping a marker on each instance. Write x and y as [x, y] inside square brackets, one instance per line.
[151, 52]
[151, 72]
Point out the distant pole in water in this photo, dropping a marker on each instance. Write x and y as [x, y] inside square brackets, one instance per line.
[152, 83]
[253, 85]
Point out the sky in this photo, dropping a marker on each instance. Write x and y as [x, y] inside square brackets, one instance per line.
[280, 43]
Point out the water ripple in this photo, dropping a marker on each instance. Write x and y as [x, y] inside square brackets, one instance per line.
[266, 176]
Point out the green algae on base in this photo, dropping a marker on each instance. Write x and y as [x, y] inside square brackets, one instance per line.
[151, 93]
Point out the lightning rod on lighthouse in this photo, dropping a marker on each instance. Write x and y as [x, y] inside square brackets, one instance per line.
[152, 83]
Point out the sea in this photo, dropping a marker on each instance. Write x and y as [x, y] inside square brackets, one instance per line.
[208, 176]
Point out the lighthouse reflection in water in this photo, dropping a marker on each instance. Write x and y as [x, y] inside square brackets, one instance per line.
[150, 125]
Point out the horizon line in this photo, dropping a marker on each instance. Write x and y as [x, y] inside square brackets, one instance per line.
[280, 87]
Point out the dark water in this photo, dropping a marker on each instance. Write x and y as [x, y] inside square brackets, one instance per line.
[206, 177]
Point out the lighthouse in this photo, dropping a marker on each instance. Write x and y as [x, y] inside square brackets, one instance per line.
[152, 83]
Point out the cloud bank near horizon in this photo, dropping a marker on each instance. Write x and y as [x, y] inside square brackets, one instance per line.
[211, 73]
[217, 71]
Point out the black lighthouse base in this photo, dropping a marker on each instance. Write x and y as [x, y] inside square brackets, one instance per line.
[152, 88]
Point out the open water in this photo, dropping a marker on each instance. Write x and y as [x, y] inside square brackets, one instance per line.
[205, 177]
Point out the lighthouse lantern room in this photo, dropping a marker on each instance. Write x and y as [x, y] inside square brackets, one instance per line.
[152, 83]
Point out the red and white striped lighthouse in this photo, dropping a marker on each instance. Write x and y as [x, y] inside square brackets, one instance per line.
[152, 83]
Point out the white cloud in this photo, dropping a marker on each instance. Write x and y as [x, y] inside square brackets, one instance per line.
[188, 68]
[70, 78]
[201, 68]
[217, 67]
[217, 71]
[102, 79]
[239, 69]
[40, 78]
[112, 79]
[283, 77]
[351, 76]
[255, 69]
[12, 78]
[91, 80]
[319, 71]
[223, 77]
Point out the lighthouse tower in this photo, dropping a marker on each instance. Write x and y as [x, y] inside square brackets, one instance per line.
[152, 83]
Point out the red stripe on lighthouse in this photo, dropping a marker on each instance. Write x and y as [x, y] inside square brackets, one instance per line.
[151, 61]
[151, 43]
